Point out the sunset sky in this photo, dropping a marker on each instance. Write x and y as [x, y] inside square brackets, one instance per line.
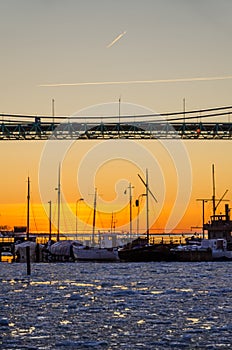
[147, 53]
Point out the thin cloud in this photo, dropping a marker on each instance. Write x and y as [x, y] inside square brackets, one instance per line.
[116, 39]
[128, 82]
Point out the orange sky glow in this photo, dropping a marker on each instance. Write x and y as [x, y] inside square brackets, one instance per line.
[112, 199]
[67, 60]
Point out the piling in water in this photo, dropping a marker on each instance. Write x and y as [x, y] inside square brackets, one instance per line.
[28, 260]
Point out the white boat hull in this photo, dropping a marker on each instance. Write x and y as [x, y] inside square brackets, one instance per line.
[95, 254]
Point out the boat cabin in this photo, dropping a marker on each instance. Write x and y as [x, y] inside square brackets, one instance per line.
[220, 226]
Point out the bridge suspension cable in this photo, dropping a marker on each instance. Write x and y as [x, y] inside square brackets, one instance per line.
[200, 113]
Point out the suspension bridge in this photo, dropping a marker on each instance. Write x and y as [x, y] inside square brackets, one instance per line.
[205, 124]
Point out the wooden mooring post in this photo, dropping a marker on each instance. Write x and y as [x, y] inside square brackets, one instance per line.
[28, 260]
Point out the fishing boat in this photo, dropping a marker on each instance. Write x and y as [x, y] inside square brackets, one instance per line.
[219, 240]
[219, 248]
[191, 252]
[219, 228]
[205, 250]
[218, 245]
[94, 252]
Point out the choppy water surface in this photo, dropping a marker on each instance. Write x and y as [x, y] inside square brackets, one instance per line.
[116, 306]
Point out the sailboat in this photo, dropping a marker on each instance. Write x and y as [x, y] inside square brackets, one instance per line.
[95, 253]
[20, 248]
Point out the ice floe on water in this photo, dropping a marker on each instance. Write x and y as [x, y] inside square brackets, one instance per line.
[116, 306]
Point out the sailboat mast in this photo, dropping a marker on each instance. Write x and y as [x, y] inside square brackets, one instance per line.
[213, 198]
[112, 222]
[58, 220]
[28, 207]
[50, 220]
[148, 191]
[94, 215]
[147, 205]
[130, 194]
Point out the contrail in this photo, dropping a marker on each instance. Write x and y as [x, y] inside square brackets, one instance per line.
[116, 39]
[157, 81]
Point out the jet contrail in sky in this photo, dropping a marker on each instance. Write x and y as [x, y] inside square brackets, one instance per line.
[157, 81]
[116, 39]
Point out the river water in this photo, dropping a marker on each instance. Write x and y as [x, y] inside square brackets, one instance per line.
[116, 306]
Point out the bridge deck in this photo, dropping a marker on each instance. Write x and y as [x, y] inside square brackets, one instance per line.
[64, 131]
[190, 125]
